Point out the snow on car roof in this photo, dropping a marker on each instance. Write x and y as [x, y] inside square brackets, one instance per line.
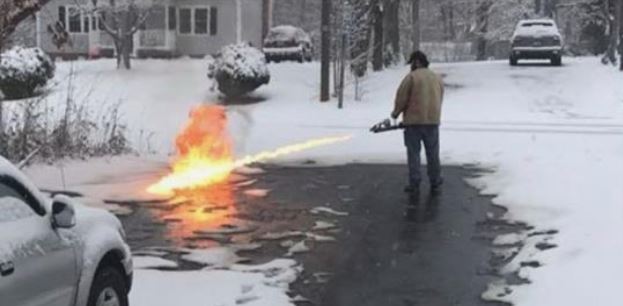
[536, 27]
[287, 32]
[537, 22]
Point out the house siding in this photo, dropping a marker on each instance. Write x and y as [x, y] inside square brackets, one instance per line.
[79, 42]
[156, 39]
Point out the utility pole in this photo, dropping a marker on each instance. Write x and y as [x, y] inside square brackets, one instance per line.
[325, 52]
[343, 47]
[618, 9]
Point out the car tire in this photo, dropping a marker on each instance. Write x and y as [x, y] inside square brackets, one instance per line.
[556, 61]
[512, 61]
[108, 288]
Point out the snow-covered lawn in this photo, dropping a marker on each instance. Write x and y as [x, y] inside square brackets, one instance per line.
[553, 135]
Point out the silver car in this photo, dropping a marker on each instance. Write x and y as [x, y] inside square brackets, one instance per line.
[54, 252]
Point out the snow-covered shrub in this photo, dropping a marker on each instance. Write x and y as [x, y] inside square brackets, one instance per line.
[239, 69]
[23, 70]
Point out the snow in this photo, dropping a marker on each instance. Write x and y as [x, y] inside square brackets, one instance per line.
[13, 209]
[536, 28]
[150, 262]
[20, 63]
[241, 61]
[551, 137]
[220, 257]
[261, 285]
[329, 211]
[286, 33]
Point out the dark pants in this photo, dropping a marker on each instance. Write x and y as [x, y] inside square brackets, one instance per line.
[414, 137]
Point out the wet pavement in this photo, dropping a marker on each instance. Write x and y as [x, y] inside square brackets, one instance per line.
[364, 243]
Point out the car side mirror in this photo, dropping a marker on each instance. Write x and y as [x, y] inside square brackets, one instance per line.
[63, 213]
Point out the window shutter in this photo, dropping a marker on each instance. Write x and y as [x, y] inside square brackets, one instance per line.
[172, 18]
[62, 16]
[213, 21]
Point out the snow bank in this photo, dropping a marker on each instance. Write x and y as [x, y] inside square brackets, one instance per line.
[263, 285]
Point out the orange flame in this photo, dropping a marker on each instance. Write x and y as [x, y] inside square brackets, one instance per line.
[205, 152]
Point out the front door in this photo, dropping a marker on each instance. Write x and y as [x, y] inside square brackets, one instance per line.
[37, 266]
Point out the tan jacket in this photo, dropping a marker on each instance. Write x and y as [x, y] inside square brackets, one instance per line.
[419, 98]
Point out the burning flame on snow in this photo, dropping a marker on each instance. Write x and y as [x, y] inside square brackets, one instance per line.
[205, 155]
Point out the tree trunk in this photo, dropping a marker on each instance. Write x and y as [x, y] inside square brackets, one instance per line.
[392, 27]
[267, 17]
[619, 22]
[482, 21]
[128, 47]
[415, 22]
[3, 144]
[343, 47]
[377, 57]
[614, 27]
[118, 52]
[325, 52]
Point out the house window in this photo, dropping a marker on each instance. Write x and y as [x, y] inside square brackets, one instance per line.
[201, 21]
[185, 21]
[172, 18]
[213, 21]
[74, 20]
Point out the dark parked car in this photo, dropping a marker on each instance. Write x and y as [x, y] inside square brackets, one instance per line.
[287, 43]
[536, 39]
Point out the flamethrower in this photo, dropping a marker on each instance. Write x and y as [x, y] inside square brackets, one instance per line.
[386, 126]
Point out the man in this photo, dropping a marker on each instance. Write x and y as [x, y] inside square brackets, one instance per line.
[419, 100]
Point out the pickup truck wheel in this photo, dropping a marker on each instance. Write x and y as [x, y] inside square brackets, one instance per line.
[108, 288]
[556, 61]
[512, 61]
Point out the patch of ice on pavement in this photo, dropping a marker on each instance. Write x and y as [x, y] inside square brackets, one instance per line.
[150, 262]
[509, 239]
[218, 257]
[246, 183]
[279, 272]
[323, 225]
[281, 235]
[249, 171]
[497, 291]
[296, 247]
[327, 210]
[320, 238]
[257, 193]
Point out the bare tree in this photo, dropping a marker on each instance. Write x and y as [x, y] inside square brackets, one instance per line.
[392, 27]
[618, 30]
[378, 47]
[13, 12]
[611, 9]
[121, 19]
